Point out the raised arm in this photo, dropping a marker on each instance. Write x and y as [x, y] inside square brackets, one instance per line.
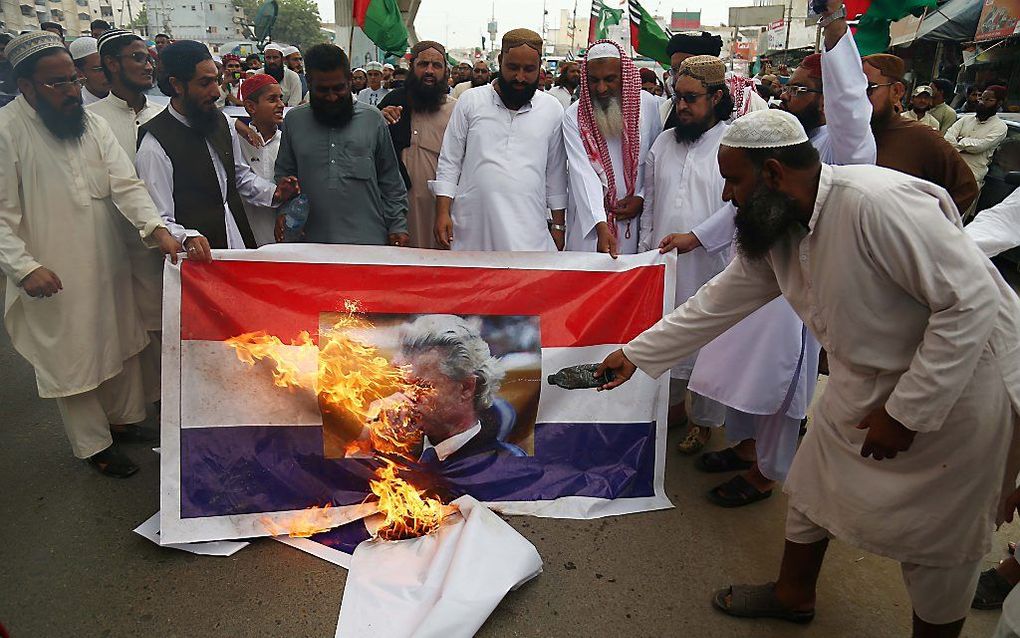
[844, 87]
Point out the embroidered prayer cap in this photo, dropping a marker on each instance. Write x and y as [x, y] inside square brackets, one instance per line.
[521, 37]
[890, 66]
[230, 57]
[417, 49]
[373, 66]
[695, 43]
[924, 88]
[769, 128]
[710, 70]
[113, 36]
[254, 83]
[602, 50]
[28, 44]
[82, 47]
[813, 65]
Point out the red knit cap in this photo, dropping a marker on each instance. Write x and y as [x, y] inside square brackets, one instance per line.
[230, 57]
[999, 91]
[813, 65]
[254, 83]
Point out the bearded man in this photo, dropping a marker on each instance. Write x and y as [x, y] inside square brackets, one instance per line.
[341, 152]
[502, 166]
[978, 136]
[607, 133]
[567, 81]
[480, 76]
[912, 405]
[277, 68]
[70, 308]
[418, 114]
[191, 160]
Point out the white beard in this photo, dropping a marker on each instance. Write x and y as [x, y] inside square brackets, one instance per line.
[609, 119]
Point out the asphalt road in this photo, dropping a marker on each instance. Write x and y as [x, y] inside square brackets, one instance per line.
[70, 565]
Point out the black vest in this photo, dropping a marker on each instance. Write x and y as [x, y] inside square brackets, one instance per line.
[198, 201]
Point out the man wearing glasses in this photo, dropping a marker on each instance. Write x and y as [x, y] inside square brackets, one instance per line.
[86, 59]
[911, 147]
[71, 311]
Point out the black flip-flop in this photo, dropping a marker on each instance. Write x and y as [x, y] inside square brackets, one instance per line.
[139, 433]
[757, 601]
[722, 461]
[736, 492]
[113, 462]
[992, 589]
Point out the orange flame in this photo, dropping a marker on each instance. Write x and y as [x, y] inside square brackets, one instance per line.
[303, 524]
[354, 378]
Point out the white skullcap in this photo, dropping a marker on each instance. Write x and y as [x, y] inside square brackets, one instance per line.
[21, 47]
[388, 66]
[771, 128]
[83, 47]
[602, 50]
[358, 69]
[273, 47]
[289, 50]
[373, 66]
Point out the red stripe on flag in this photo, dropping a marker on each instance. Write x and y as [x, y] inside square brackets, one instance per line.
[360, 9]
[577, 308]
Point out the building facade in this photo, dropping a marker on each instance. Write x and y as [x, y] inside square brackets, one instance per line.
[213, 22]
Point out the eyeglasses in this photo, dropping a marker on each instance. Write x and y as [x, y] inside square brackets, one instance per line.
[872, 87]
[64, 85]
[799, 91]
[690, 98]
[141, 57]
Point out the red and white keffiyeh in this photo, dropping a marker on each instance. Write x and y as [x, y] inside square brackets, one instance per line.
[595, 142]
[740, 90]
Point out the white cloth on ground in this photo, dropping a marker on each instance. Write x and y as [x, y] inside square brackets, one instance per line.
[59, 203]
[585, 204]
[157, 172]
[119, 400]
[504, 170]
[262, 161]
[997, 229]
[951, 358]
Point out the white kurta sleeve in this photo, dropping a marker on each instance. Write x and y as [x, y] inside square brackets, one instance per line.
[716, 232]
[556, 172]
[739, 290]
[154, 168]
[585, 185]
[997, 229]
[255, 190]
[964, 140]
[126, 190]
[925, 254]
[451, 155]
[646, 229]
[15, 260]
[847, 106]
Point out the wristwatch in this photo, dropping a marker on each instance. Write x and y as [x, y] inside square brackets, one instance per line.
[838, 14]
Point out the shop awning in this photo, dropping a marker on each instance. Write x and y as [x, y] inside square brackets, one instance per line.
[955, 20]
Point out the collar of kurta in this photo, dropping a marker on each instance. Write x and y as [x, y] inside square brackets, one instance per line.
[824, 186]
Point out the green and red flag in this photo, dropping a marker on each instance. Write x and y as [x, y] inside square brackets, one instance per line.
[383, 24]
[875, 16]
[646, 36]
[602, 17]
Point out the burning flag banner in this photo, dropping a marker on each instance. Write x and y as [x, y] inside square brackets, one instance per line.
[306, 387]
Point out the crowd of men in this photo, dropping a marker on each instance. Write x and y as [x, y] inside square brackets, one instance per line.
[816, 220]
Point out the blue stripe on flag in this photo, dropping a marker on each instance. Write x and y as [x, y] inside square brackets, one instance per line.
[244, 470]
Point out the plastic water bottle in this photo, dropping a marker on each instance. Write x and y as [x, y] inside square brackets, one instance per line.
[295, 215]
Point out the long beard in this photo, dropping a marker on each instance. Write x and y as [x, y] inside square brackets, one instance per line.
[276, 72]
[202, 120]
[515, 98]
[983, 113]
[336, 114]
[63, 126]
[608, 116]
[810, 118]
[425, 98]
[690, 133]
[764, 219]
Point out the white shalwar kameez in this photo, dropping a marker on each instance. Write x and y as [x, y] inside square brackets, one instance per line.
[942, 357]
[682, 189]
[262, 160]
[146, 263]
[585, 202]
[997, 229]
[504, 171]
[59, 203]
[765, 368]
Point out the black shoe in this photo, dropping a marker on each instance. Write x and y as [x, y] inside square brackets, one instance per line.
[138, 433]
[113, 462]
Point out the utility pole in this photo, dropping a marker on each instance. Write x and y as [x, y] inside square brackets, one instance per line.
[789, 19]
[573, 27]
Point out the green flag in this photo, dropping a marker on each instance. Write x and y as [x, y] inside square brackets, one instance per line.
[607, 18]
[383, 24]
[872, 35]
[646, 36]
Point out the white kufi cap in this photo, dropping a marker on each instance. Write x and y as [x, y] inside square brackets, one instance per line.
[273, 47]
[770, 128]
[373, 66]
[602, 50]
[82, 47]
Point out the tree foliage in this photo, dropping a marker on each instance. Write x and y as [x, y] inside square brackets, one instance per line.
[297, 23]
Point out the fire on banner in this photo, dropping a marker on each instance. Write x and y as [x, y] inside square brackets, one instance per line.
[302, 385]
